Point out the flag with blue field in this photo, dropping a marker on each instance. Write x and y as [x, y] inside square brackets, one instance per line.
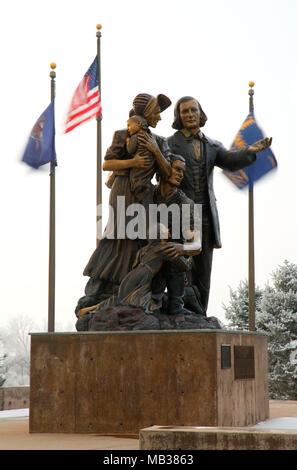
[248, 134]
[40, 148]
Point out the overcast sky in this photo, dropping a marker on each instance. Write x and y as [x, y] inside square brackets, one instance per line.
[208, 49]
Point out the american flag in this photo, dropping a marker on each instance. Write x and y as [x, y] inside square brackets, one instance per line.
[86, 101]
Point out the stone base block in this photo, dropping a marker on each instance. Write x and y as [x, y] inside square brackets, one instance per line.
[121, 382]
[191, 438]
[13, 398]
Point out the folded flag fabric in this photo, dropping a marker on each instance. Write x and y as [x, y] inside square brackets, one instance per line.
[248, 134]
[86, 101]
[40, 148]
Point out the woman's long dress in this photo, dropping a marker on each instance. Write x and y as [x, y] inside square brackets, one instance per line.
[113, 258]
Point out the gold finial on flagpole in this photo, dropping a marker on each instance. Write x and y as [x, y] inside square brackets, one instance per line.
[98, 27]
[53, 65]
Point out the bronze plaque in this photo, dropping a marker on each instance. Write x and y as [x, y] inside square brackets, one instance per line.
[244, 362]
[225, 356]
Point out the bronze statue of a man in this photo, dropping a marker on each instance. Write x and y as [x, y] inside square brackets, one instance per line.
[167, 192]
[202, 154]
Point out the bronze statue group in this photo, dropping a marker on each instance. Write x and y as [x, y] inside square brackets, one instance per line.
[159, 281]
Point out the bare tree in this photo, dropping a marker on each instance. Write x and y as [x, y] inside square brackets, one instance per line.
[16, 342]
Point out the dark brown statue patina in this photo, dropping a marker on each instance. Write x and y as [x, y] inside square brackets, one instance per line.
[147, 282]
[138, 303]
[115, 254]
[202, 154]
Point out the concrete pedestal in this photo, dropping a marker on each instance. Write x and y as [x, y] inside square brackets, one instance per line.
[122, 382]
[187, 438]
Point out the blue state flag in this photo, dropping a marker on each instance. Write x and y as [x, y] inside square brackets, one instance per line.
[40, 148]
[248, 134]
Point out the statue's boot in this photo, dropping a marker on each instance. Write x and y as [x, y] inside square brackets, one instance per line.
[175, 290]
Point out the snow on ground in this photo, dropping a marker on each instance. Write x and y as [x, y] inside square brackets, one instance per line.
[276, 423]
[289, 423]
[21, 413]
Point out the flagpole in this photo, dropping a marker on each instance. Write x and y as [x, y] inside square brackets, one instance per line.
[251, 236]
[99, 143]
[52, 228]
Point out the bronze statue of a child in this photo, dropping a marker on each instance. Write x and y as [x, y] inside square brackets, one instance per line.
[140, 177]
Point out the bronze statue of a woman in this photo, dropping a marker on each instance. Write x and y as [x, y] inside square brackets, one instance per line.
[113, 258]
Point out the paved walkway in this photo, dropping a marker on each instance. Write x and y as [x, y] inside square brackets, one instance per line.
[14, 433]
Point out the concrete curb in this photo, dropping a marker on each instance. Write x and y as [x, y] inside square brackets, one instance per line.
[187, 438]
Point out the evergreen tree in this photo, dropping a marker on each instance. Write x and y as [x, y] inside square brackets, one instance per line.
[278, 318]
[237, 312]
[276, 315]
